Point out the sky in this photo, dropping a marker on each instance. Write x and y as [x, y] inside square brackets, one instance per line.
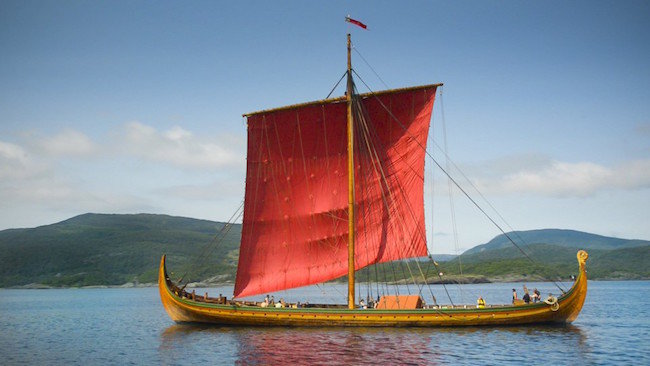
[136, 106]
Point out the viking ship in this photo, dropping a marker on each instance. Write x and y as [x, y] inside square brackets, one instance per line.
[334, 186]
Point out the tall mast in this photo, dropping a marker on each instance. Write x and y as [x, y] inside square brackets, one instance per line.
[350, 90]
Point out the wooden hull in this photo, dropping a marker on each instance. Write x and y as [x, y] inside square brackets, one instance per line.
[182, 309]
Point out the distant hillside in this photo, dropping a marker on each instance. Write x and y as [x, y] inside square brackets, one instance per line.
[558, 237]
[553, 262]
[94, 249]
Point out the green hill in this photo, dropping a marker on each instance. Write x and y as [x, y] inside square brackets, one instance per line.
[558, 237]
[94, 249]
[554, 255]
[553, 262]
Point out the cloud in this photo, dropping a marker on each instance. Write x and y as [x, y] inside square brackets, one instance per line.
[30, 171]
[16, 163]
[13, 159]
[563, 179]
[67, 173]
[11, 152]
[67, 143]
[26, 178]
[29, 174]
[180, 147]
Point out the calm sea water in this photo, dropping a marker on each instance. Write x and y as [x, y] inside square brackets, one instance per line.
[130, 326]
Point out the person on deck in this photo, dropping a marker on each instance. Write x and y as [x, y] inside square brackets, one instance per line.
[538, 296]
[514, 295]
[480, 303]
[526, 297]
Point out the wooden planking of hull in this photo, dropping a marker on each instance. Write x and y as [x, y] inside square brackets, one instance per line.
[181, 307]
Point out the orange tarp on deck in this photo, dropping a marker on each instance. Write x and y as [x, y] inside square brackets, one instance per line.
[400, 302]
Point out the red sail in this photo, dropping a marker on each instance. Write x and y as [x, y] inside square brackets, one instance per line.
[295, 229]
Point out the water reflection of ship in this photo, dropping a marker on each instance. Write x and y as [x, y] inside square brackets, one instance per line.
[354, 346]
[334, 346]
[277, 345]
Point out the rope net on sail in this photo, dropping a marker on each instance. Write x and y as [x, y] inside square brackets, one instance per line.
[295, 230]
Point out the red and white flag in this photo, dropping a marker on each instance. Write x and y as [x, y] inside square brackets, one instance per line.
[355, 22]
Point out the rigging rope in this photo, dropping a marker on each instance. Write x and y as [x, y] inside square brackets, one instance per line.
[379, 171]
[371, 68]
[451, 200]
[453, 180]
[410, 209]
[337, 84]
[216, 240]
[516, 233]
[375, 162]
[370, 137]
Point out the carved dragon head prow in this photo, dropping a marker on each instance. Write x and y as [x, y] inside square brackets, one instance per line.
[582, 258]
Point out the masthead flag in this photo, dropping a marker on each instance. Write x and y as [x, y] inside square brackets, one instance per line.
[355, 22]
